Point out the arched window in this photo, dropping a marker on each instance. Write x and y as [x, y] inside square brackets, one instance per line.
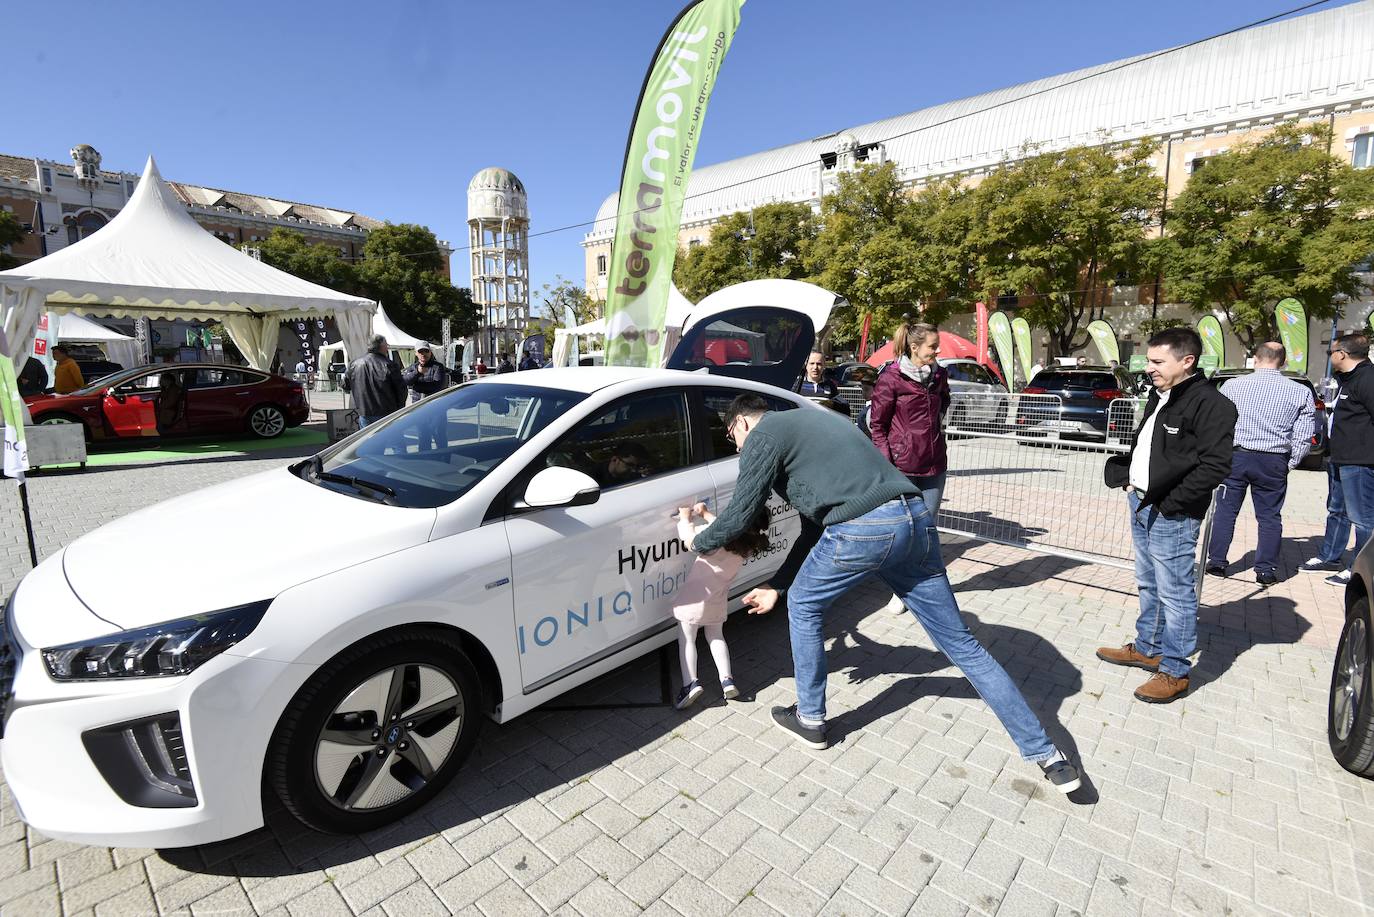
[84, 224]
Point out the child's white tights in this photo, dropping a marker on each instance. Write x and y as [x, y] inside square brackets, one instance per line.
[687, 649]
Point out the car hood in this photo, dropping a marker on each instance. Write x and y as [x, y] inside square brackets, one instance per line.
[238, 542]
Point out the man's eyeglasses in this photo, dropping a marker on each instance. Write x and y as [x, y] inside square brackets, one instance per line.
[1332, 353]
[730, 433]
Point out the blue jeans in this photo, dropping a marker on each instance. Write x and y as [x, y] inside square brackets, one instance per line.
[898, 542]
[1349, 502]
[932, 491]
[1266, 475]
[1166, 577]
[364, 421]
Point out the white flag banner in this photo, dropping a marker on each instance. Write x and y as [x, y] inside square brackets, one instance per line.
[16, 449]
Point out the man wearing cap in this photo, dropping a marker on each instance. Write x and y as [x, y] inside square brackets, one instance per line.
[426, 375]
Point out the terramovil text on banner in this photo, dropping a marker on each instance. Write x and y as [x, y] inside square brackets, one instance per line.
[1021, 334]
[1000, 328]
[16, 449]
[658, 161]
[1104, 336]
[1291, 318]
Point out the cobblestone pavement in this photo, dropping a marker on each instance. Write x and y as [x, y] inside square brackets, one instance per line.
[1225, 803]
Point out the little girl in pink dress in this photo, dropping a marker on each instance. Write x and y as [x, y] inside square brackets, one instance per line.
[701, 603]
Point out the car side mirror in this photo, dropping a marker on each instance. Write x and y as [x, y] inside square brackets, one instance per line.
[560, 487]
[115, 395]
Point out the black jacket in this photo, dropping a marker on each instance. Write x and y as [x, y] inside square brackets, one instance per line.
[1191, 450]
[425, 380]
[33, 378]
[1352, 428]
[375, 384]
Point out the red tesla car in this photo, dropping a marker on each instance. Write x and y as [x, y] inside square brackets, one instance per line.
[178, 399]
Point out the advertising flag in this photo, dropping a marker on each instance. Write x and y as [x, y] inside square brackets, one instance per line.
[16, 450]
[1020, 332]
[999, 326]
[1291, 318]
[1213, 343]
[663, 143]
[1104, 336]
[980, 311]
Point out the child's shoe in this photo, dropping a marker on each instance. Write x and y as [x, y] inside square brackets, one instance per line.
[688, 695]
[727, 687]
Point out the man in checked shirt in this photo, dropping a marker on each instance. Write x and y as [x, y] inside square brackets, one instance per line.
[1273, 433]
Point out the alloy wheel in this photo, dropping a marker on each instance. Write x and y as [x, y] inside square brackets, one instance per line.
[1350, 670]
[267, 421]
[388, 737]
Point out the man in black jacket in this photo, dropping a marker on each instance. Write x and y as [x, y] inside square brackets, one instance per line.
[375, 383]
[1350, 457]
[1181, 452]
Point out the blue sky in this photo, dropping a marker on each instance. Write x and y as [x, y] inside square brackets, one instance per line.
[390, 108]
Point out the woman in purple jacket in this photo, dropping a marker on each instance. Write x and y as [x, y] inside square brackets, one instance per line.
[909, 399]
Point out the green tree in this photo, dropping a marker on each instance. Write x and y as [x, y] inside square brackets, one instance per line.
[561, 294]
[1059, 226]
[11, 231]
[1276, 218]
[747, 246]
[290, 251]
[865, 249]
[403, 268]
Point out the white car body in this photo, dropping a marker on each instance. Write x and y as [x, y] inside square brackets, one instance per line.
[552, 598]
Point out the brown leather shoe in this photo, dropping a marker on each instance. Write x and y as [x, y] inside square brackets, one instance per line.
[1162, 688]
[1126, 655]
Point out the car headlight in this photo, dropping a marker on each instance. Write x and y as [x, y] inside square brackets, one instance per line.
[171, 648]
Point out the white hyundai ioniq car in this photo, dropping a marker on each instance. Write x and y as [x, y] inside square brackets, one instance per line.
[471, 556]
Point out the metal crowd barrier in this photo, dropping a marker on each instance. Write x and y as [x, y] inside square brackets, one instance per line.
[1023, 475]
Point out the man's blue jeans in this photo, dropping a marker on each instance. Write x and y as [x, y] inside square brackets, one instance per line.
[898, 542]
[364, 421]
[1166, 577]
[1349, 502]
[1266, 475]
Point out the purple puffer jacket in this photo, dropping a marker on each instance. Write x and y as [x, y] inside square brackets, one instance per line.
[905, 420]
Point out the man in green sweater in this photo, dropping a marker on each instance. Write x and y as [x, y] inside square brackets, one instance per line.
[868, 520]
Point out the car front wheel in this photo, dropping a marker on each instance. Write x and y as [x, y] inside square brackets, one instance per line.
[1350, 719]
[376, 733]
[266, 421]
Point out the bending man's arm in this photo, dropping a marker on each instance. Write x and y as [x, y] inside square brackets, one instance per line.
[759, 463]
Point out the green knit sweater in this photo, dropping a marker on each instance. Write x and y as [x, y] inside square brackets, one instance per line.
[820, 463]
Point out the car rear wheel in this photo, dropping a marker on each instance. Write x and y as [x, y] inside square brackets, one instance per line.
[1350, 719]
[266, 421]
[376, 733]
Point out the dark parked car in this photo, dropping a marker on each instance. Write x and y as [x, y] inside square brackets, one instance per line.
[1085, 396]
[1350, 708]
[93, 368]
[1317, 455]
[178, 399]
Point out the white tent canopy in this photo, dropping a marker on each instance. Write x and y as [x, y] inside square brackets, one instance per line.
[77, 329]
[678, 308]
[154, 260]
[402, 345]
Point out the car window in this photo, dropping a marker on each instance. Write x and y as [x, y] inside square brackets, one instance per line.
[980, 375]
[218, 378]
[753, 337]
[1098, 380]
[436, 451]
[716, 401]
[147, 382]
[632, 439]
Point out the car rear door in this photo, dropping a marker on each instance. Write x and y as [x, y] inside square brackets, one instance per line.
[219, 399]
[591, 581]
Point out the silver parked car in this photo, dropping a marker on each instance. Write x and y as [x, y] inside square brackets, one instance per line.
[980, 400]
[1350, 712]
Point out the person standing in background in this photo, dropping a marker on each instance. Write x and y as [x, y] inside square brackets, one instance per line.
[1274, 421]
[66, 375]
[909, 401]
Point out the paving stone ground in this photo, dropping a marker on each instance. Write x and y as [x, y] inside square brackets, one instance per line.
[1225, 803]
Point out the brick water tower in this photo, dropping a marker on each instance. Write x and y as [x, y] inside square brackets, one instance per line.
[499, 245]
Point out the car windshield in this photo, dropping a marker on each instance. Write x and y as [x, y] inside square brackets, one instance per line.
[435, 451]
[108, 381]
[1088, 380]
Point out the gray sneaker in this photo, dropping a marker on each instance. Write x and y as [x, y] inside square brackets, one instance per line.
[1341, 579]
[1062, 775]
[1317, 565]
[810, 736]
